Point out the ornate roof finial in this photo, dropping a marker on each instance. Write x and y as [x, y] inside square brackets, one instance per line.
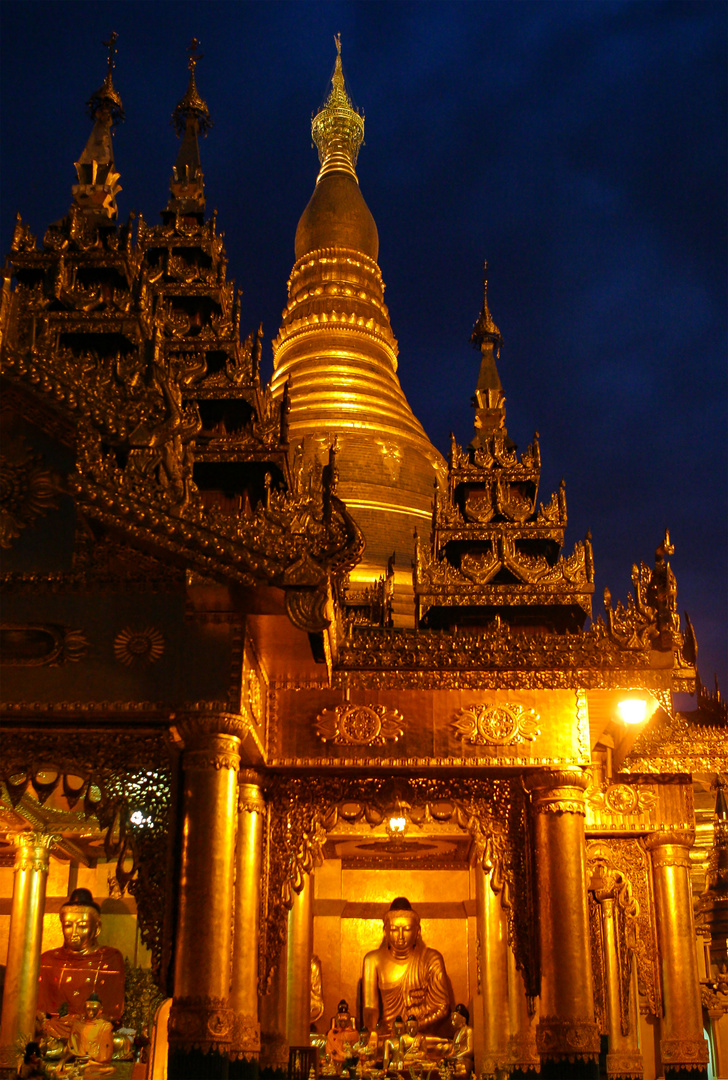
[106, 97]
[489, 401]
[338, 129]
[98, 181]
[191, 118]
[192, 106]
[485, 329]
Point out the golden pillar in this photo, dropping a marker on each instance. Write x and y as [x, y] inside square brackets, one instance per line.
[522, 1054]
[566, 1030]
[298, 981]
[623, 1058]
[682, 1044]
[201, 1017]
[493, 944]
[30, 874]
[274, 1047]
[248, 857]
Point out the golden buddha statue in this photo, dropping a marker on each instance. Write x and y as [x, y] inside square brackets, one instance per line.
[458, 1051]
[413, 1045]
[341, 1037]
[78, 968]
[403, 976]
[90, 1044]
[392, 1059]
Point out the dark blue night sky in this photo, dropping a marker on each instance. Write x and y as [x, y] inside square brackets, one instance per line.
[579, 147]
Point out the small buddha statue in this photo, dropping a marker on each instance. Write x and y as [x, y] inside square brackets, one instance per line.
[392, 1060]
[458, 1052]
[78, 968]
[403, 976]
[341, 1037]
[413, 1044]
[90, 1043]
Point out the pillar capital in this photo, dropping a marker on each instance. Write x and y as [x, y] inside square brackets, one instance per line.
[33, 850]
[196, 729]
[671, 847]
[557, 791]
[211, 741]
[250, 793]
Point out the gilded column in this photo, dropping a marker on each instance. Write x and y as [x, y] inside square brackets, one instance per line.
[274, 1047]
[298, 983]
[624, 1058]
[248, 858]
[201, 1017]
[30, 874]
[493, 944]
[522, 1054]
[566, 1032]
[682, 1044]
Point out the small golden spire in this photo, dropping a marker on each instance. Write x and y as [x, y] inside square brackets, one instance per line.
[485, 329]
[338, 129]
[107, 97]
[192, 106]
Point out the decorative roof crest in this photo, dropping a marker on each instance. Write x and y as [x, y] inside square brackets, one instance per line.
[192, 106]
[107, 97]
[338, 129]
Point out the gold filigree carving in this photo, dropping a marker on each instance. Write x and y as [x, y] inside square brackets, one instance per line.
[144, 645]
[679, 744]
[628, 862]
[202, 1023]
[40, 644]
[28, 490]
[573, 1039]
[359, 725]
[689, 1054]
[498, 725]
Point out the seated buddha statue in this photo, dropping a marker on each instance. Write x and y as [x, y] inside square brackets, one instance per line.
[403, 976]
[80, 967]
[458, 1052]
[90, 1044]
[413, 1045]
[341, 1037]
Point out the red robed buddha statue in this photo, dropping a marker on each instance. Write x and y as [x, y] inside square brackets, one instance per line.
[79, 968]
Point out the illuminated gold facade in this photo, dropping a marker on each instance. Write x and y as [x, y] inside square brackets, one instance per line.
[235, 721]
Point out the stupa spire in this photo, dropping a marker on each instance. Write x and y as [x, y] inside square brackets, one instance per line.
[191, 118]
[97, 187]
[337, 129]
[489, 400]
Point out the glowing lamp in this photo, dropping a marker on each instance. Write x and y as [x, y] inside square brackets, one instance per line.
[632, 710]
[396, 826]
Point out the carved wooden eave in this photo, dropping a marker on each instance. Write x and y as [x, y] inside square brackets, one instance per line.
[502, 657]
[290, 543]
[692, 742]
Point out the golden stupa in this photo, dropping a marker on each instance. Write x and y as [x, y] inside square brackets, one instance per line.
[336, 352]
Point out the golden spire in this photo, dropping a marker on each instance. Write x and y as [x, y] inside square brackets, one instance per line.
[192, 107]
[98, 181]
[191, 118]
[106, 98]
[337, 129]
[489, 401]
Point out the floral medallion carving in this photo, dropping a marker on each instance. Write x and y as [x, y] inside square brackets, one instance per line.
[144, 645]
[27, 491]
[359, 725]
[497, 725]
